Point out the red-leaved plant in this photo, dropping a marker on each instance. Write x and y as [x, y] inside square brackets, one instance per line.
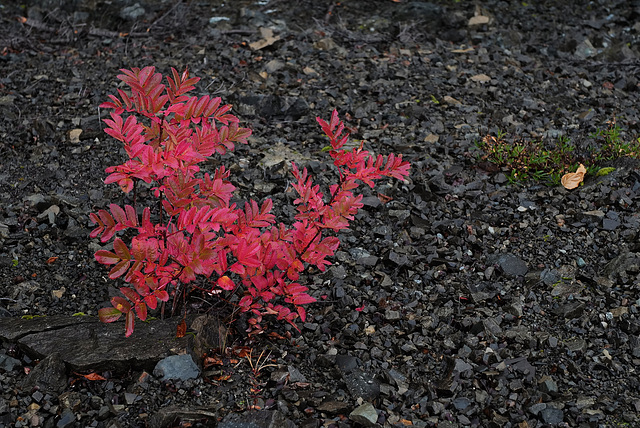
[196, 230]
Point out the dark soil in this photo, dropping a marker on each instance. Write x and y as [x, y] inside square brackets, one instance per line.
[484, 304]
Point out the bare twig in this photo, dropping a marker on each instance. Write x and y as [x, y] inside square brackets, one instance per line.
[178, 3]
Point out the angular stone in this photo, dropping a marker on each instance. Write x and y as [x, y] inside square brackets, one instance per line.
[399, 379]
[550, 276]
[346, 363]
[12, 329]
[333, 407]
[8, 363]
[510, 264]
[67, 419]
[552, 416]
[391, 315]
[537, 408]
[273, 106]
[210, 333]
[177, 367]
[571, 310]
[548, 385]
[311, 423]
[576, 344]
[564, 289]
[130, 397]
[366, 415]
[621, 264]
[522, 365]
[592, 215]
[610, 224]
[85, 343]
[585, 402]
[256, 419]
[461, 366]
[461, 403]
[174, 415]
[49, 376]
[362, 384]
[295, 375]
[492, 327]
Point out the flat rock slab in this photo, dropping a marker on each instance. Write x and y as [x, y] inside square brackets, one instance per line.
[85, 343]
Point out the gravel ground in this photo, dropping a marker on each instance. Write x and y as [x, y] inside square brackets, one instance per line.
[458, 299]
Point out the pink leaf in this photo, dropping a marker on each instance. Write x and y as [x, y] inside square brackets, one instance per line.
[107, 315]
[226, 283]
[129, 324]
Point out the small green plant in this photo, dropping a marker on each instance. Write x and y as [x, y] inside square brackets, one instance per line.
[528, 160]
[31, 317]
[610, 146]
[523, 160]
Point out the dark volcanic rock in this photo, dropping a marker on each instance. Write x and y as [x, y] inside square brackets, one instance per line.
[96, 345]
[257, 419]
[48, 376]
[169, 416]
[510, 264]
[457, 297]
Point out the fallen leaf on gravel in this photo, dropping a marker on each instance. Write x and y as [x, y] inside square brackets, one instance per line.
[325, 44]
[480, 17]
[462, 50]
[572, 180]
[450, 100]
[74, 135]
[267, 39]
[478, 20]
[431, 138]
[480, 78]
[309, 71]
[212, 361]
[181, 330]
[274, 335]
[91, 376]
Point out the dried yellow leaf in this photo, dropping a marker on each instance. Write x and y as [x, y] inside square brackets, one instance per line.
[572, 180]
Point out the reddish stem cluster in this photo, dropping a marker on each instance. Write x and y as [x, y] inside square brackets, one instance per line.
[198, 231]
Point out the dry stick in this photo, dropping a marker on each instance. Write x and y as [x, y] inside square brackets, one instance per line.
[107, 33]
[164, 15]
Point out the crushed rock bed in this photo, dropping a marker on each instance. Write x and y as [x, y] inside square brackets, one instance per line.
[481, 303]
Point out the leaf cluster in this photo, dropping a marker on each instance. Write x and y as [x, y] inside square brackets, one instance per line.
[197, 231]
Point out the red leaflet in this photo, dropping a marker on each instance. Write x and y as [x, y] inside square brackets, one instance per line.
[226, 283]
[199, 231]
